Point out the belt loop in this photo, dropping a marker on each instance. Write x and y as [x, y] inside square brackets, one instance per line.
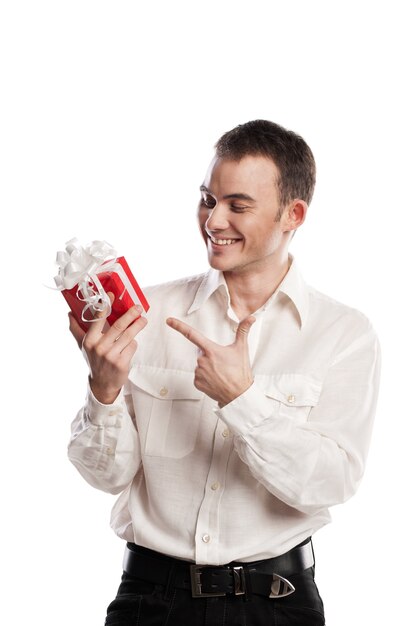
[312, 551]
[169, 585]
[248, 585]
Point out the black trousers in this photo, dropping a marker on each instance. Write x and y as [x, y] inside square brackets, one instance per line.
[141, 603]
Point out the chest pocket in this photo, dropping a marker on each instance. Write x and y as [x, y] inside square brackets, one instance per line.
[293, 395]
[168, 408]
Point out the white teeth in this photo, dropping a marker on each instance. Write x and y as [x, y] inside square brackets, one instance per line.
[223, 242]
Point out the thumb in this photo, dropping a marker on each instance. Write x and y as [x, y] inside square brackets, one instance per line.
[243, 330]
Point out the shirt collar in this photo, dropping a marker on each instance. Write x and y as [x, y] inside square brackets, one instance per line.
[213, 281]
[293, 286]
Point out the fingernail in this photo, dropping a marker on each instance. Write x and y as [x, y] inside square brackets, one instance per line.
[138, 308]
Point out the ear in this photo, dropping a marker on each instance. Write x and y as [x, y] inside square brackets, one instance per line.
[294, 214]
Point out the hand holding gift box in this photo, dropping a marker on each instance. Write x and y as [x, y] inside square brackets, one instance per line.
[85, 276]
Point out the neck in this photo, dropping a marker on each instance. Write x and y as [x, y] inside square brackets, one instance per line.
[249, 290]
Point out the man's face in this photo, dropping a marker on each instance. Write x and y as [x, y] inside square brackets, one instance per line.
[238, 214]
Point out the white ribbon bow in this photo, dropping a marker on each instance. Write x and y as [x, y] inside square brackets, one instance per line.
[81, 266]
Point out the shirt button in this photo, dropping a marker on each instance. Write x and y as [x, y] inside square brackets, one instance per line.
[291, 398]
[226, 433]
[215, 486]
[163, 391]
[109, 451]
[206, 538]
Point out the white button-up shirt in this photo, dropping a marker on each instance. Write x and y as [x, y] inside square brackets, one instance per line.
[255, 478]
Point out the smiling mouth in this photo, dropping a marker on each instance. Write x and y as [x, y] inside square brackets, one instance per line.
[224, 242]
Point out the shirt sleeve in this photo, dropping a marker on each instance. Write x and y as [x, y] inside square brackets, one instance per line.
[104, 444]
[319, 462]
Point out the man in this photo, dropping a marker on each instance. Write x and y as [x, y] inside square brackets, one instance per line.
[245, 412]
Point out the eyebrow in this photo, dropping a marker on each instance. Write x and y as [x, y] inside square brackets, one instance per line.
[237, 196]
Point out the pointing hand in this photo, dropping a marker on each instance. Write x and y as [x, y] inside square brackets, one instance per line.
[223, 372]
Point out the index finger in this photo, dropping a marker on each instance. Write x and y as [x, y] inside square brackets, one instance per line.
[193, 335]
[99, 320]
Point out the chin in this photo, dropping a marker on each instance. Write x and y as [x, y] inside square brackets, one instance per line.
[222, 265]
[218, 264]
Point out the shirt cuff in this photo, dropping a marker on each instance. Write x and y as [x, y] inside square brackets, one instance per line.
[246, 411]
[103, 414]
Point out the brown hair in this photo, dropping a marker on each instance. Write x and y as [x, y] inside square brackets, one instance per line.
[289, 152]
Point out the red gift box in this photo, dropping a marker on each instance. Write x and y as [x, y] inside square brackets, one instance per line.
[119, 280]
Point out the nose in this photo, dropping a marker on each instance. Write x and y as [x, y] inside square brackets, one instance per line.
[217, 219]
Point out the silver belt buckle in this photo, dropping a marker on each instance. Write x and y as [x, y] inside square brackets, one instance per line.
[196, 585]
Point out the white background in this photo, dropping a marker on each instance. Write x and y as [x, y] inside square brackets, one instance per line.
[109, 111]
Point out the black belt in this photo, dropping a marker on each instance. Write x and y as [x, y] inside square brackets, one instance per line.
[266, 578]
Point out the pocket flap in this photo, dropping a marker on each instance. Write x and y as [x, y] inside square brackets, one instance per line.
[292, 389]
[165, 384]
